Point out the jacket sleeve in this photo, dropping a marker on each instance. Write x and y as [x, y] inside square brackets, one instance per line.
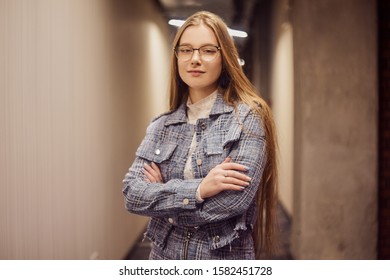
[249, 150]
[155, 199]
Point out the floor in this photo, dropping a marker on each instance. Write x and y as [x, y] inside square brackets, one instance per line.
[141, 249]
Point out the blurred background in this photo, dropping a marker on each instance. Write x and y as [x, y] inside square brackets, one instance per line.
[81, 79]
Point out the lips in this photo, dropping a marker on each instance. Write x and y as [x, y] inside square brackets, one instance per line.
[195, 73]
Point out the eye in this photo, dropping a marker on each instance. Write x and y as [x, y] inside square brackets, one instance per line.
[209, 50]
[185, 50]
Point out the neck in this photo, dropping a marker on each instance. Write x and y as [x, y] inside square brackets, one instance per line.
[197, 95]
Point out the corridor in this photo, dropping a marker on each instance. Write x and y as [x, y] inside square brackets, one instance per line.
[81, 80]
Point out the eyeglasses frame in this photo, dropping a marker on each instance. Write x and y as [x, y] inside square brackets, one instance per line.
[195, 49]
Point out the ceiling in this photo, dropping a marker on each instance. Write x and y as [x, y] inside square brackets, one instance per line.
[236, 13]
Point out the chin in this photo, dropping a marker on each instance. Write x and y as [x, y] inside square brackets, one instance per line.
[200, 86]
[196, 85]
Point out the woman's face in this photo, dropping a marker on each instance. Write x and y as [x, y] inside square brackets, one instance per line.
[200, 74]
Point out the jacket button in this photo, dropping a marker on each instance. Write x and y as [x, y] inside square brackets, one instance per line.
[203, 126]
[157, 151]
[216, 239]
[170, 220]
[186, 201]
[199, 161]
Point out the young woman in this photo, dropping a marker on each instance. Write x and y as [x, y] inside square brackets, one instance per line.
[206, 171]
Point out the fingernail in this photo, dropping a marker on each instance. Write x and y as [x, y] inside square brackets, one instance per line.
[242, 188]
[247, 168]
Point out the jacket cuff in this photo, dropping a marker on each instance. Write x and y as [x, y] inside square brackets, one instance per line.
[187, 195]
[198, 198]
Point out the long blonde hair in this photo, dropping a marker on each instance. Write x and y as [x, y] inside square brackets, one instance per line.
[236, 88]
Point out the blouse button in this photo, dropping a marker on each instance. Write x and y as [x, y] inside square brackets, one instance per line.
[199, 161]
[170, 220]
[186, 201]
[157, 151]
[203, 126]
[216, 239]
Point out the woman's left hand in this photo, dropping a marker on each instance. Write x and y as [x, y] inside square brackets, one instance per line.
[152, 173]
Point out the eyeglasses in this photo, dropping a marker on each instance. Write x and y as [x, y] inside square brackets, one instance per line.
[206, 53]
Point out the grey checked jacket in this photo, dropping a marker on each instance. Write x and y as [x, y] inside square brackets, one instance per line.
[229, 131]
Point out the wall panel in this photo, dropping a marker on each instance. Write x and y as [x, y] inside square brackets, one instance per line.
[67, 126]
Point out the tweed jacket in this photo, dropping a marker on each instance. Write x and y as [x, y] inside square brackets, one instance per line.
[229, 131]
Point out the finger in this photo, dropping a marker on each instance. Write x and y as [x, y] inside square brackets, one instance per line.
[234, 166]
[228, 159]
[151, 171]
[157, 170]
[150, 177]
[232, 187]
[236, 182]
[236, 175]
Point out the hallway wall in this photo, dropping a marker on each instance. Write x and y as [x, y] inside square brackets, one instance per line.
[282, 96]
[335, 129]
[75, 98]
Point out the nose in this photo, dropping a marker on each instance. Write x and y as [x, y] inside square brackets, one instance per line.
[195, 56]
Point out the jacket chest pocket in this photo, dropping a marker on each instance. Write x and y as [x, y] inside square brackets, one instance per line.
[219, 144]
[161, 154]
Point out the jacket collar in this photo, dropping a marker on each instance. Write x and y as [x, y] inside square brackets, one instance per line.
[180, 115]
[220, 106]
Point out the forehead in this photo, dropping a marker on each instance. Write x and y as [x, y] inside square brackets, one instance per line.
[198, 35]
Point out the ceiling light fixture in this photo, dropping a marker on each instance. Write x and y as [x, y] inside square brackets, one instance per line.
[232, 32]
[176, 22]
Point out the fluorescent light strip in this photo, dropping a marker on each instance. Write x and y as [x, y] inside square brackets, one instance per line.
[232, 32]
[176, 22]
[237, 33]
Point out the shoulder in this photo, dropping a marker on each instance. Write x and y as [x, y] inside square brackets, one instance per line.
[166, 119]
[162, 116]
[158, 122]
[249, 118]
[243, 109]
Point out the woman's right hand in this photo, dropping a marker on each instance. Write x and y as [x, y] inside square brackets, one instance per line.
[225, 176]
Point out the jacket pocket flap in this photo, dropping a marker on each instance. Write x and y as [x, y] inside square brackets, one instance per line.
[156, 152]
[233, 135]
[217, 141]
